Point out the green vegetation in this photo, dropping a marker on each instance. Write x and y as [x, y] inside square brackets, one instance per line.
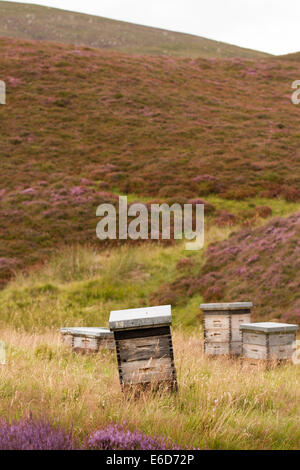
[24, 21]
[83, 125]
[221, 404]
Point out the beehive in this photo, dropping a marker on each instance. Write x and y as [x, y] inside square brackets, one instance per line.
[268, 342]
[144, 346]
[222, 335]
[66, 336]
[87, 339]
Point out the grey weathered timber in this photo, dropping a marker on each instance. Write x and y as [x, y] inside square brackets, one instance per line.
[66, 337]
[222, 323]
[268, 341]
[144, 346]
[88, 339]
[270, 327]
[215, 349]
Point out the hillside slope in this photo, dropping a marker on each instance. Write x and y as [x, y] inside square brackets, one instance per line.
[42, 23]
[261, 265]
[294, 56]
[82, 125]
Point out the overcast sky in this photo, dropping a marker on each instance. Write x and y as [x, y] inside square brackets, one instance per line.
[267, 25]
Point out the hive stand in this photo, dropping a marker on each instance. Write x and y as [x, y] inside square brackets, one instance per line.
[144, 346]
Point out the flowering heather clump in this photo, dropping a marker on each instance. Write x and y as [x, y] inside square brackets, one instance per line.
[34, 435]
[8, 262]
[77, 191]
[28, 191]
[39, 435]
[116, 437]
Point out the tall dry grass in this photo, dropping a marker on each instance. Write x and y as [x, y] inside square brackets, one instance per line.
[219, 405]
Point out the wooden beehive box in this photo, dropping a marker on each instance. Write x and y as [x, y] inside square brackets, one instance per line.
[268, 342]
[144, 346]
[222, 334]
[66, 336]
[88, 339]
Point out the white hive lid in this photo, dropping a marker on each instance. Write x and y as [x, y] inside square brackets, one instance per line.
[269, 327]
[140, 317]
[92, 332]
[227, 306]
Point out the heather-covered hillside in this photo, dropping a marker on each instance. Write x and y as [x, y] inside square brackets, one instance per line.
[294, 56]
[262, 265]
[82, 125]
[25, 21]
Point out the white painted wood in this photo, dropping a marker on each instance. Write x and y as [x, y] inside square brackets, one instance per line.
[67, 339]
[214, 349]
[227, 306]
[236, 348]
[281, 352]
[90, 332]
[85, 343]
[281, 339]
[270, 327]
[254, 338]
[216, 321]
[217, 335]
[140, 318]
[238, 320]
[254, 351]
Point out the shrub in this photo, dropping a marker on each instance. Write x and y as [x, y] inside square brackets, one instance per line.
[116, 437]
[41, 435]
[34, 435]
[208, 208]
[264, 211]
[238, 193]
[291, 194]
[225, 218]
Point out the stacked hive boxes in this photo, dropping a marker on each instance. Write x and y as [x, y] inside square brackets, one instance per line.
[268, 342]
[144, 345]
[222, 321]
[87, 339]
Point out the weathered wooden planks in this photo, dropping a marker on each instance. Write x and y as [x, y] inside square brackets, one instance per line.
[144, 346]
[215, 349]
[87, 339]
[222, 334]
[268, 341]
[139, 349]
[66, 337]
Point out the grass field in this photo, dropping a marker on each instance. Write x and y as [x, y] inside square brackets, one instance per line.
[220, 405]
[26, 21]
